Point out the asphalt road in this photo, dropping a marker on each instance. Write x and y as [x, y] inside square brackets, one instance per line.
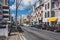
[31, 33]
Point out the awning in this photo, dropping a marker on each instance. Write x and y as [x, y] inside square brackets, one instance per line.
[54, 19]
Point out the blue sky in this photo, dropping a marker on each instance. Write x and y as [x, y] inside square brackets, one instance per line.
[25, 7]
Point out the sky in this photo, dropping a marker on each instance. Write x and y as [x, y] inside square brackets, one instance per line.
[25, 7]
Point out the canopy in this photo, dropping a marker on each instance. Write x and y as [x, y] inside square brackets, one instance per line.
[54, 19]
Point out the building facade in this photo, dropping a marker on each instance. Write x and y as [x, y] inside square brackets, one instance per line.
[6, 15]
[46, 10]
[51, 10]
[38, 13]
[1, 12]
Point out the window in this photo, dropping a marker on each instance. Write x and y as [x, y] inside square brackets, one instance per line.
[6, 2]
[0, 7]
[52, 5]
[5, 16]
[5, 12]
[0, 13]
[5, 7]
[45, 7]
[48, 13]
[1, 17]
[41, 11]
[40, 14]
[48, 5]
[52, 14]
[45, 14]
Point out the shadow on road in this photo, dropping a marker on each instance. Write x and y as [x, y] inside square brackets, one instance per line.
[13, 31]
[20, 29]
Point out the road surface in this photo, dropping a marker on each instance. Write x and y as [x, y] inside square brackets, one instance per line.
[31, 33]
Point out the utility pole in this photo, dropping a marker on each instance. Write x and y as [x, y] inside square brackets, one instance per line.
[16, 13]
[17, 5]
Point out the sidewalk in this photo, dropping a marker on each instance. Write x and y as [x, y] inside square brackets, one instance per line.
[15, 35]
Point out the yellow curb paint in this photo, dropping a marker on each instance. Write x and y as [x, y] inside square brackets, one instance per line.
[20, 36]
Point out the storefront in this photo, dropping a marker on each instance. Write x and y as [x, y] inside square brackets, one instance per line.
[53, 23]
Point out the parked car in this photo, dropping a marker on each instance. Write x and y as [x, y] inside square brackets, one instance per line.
[35, 25]
[44, 26]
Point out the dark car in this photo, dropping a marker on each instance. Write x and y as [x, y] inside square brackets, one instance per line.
[35, 25]
[44, 26]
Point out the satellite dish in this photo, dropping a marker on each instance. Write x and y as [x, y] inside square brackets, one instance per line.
[11, 2]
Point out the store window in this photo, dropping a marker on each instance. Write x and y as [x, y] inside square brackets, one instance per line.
[52, 14]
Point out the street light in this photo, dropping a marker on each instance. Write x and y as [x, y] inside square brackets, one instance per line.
[17, 5]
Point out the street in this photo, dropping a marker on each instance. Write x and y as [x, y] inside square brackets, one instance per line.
[31, 33]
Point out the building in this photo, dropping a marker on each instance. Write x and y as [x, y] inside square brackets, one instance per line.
[51, 9]
[1, 12]
[46, 10]
[38, 13]
[6, 14]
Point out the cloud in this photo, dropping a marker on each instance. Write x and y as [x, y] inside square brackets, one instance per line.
[23, 4]
[13, 15]
[26, 3]
[24, 16]
[13, 7]
[29, 2]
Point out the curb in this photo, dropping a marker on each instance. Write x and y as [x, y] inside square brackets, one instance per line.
[20, 36]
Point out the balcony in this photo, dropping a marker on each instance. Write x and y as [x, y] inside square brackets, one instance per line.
[6, 14]
[5, 7]
[6, 19]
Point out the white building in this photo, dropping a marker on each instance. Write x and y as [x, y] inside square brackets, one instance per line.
[6, 14]
[1, 12]
[50, 10]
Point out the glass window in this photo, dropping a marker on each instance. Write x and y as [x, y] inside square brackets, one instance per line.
[52, 14]
[6, 2]
[45, 7]
[48, 5]
[0, 7]
[1, 17]
[5, 12]
[52, 5]
[45, 14]
[48, 13]
[5, 16]
[4, 7]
